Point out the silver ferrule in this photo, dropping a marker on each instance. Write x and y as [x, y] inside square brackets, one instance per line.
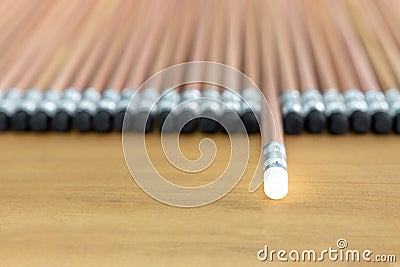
[48, 105]
[291, 102]
[88, 106]
[127, 93]
[108, 101]
[334, 102]
[89, 101]
[393, 99]
[107, 105]
[11, 101]
[30, 101]
[33, 94]
[189, 100]
[232, 102]
[169, 99]
[8, 106]
[69, 101]
[211, 104]
[252, 101]
[149, 94]
[72, 94]
[122, 105]
[312, 100]
[111, 94]
[274, 155]
[14, 93]
[355, 101]
[91, 94]
[376, 101]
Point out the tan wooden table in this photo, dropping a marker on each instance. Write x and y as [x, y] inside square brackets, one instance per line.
[69, 200]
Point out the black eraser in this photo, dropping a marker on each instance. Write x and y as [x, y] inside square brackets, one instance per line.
[20, 121]
[360, 121]
[315, 121]
[396, 123]
[102, 121]
[338, 123]
[293, 123]
[250, 122]
[61, 122]
[381, 123]
[190, 126]
[39, 122]
[162, 116]
[119, 120]
[3, 121]
[208, 125]
[82, 121]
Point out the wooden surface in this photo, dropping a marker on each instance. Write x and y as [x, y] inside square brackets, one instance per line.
[69, 200]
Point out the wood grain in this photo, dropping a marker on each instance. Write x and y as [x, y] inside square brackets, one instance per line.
[69, 200]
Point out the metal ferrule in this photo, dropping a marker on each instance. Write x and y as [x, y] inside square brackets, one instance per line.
[334, 102]
[88, 106]
[111, 94]
[376, 101]
[72, 94]
[149, 94]
[393, 99]
[11, 100]
[122, 105]
[312, 100]
[89, 101]
[13, 93]
[91, 94]
[355, 101]
[252, 101]
[232, 101]
[291, 102]
[109, 100]
[146, 102]
[49, 102]
[192, 106]
[274, 155]
[127, 93]
[126, 96]
[107, 105]
[69, 101]
[168, 100]
[8, 106]
[30, 101]
[210, 105]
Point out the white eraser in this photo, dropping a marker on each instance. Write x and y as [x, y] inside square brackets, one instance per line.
[276, 182]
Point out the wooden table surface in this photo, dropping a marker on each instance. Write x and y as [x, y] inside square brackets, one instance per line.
[69, 200]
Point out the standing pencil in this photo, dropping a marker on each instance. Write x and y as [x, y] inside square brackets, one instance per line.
[252, 107]
[211, 108]
[357, 107]
[313, 106]
[105, 109]
[61, 121]
[292, 109]
[274, 152]
[59, 18]
[233, 58]
[144, 113]
[389, 69]
[89, 77]
[369, 84]
[335, 107]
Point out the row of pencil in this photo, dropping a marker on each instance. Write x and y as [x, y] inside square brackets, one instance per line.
[62, 111]
[334, 63]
